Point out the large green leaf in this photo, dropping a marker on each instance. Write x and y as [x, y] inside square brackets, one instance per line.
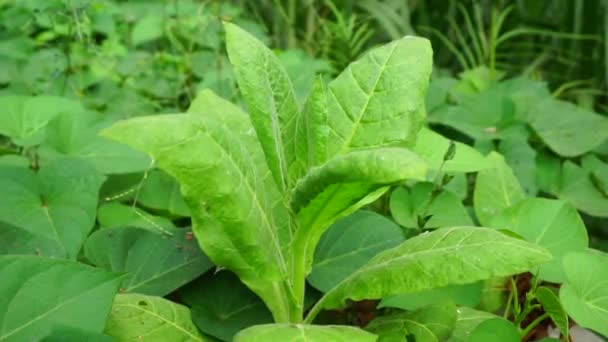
[74, 134]
[349, 244]
[238, 215]
[433, 323]
[24, 118]
[567, 129]
[468, 319]
[271, 101]
[379, 99]
[304, 333]
[443, 257]
[155, 264]
[222, 305]
[58, 203]
[445, 210]
[155, 318]
[38, 294]
[552, 224]
[495, 190]
[585, 294]
[432, 147]
[342, 185]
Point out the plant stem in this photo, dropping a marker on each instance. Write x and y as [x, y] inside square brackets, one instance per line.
[298, 279]
[534, 323]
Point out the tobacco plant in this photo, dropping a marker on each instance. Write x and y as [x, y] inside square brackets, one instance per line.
[264, 186]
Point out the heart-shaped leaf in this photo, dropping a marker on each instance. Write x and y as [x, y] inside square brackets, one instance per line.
[552, 224]
[58, 203]
[222, 305]
[585, 294]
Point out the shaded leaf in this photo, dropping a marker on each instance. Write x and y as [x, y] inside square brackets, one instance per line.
[221, 305]
[154, 264]
[349, 244]
[466, 295]
[431, 323]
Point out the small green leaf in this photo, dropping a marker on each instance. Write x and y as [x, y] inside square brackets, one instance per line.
[58, 203]
[221, 305]
[578, 189]
[432, 147]
[271, 101]
[552, 224]
[349, 244]
[429, 324]
[64, 292]
[447, 256]
[568, 130]
[160, 191]
[551, 304]
[135, 315]
[495, 190]
[467, 320]
[495, 329]
[155, 264]
[585, 294]
[147, 29]
[304, 333]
